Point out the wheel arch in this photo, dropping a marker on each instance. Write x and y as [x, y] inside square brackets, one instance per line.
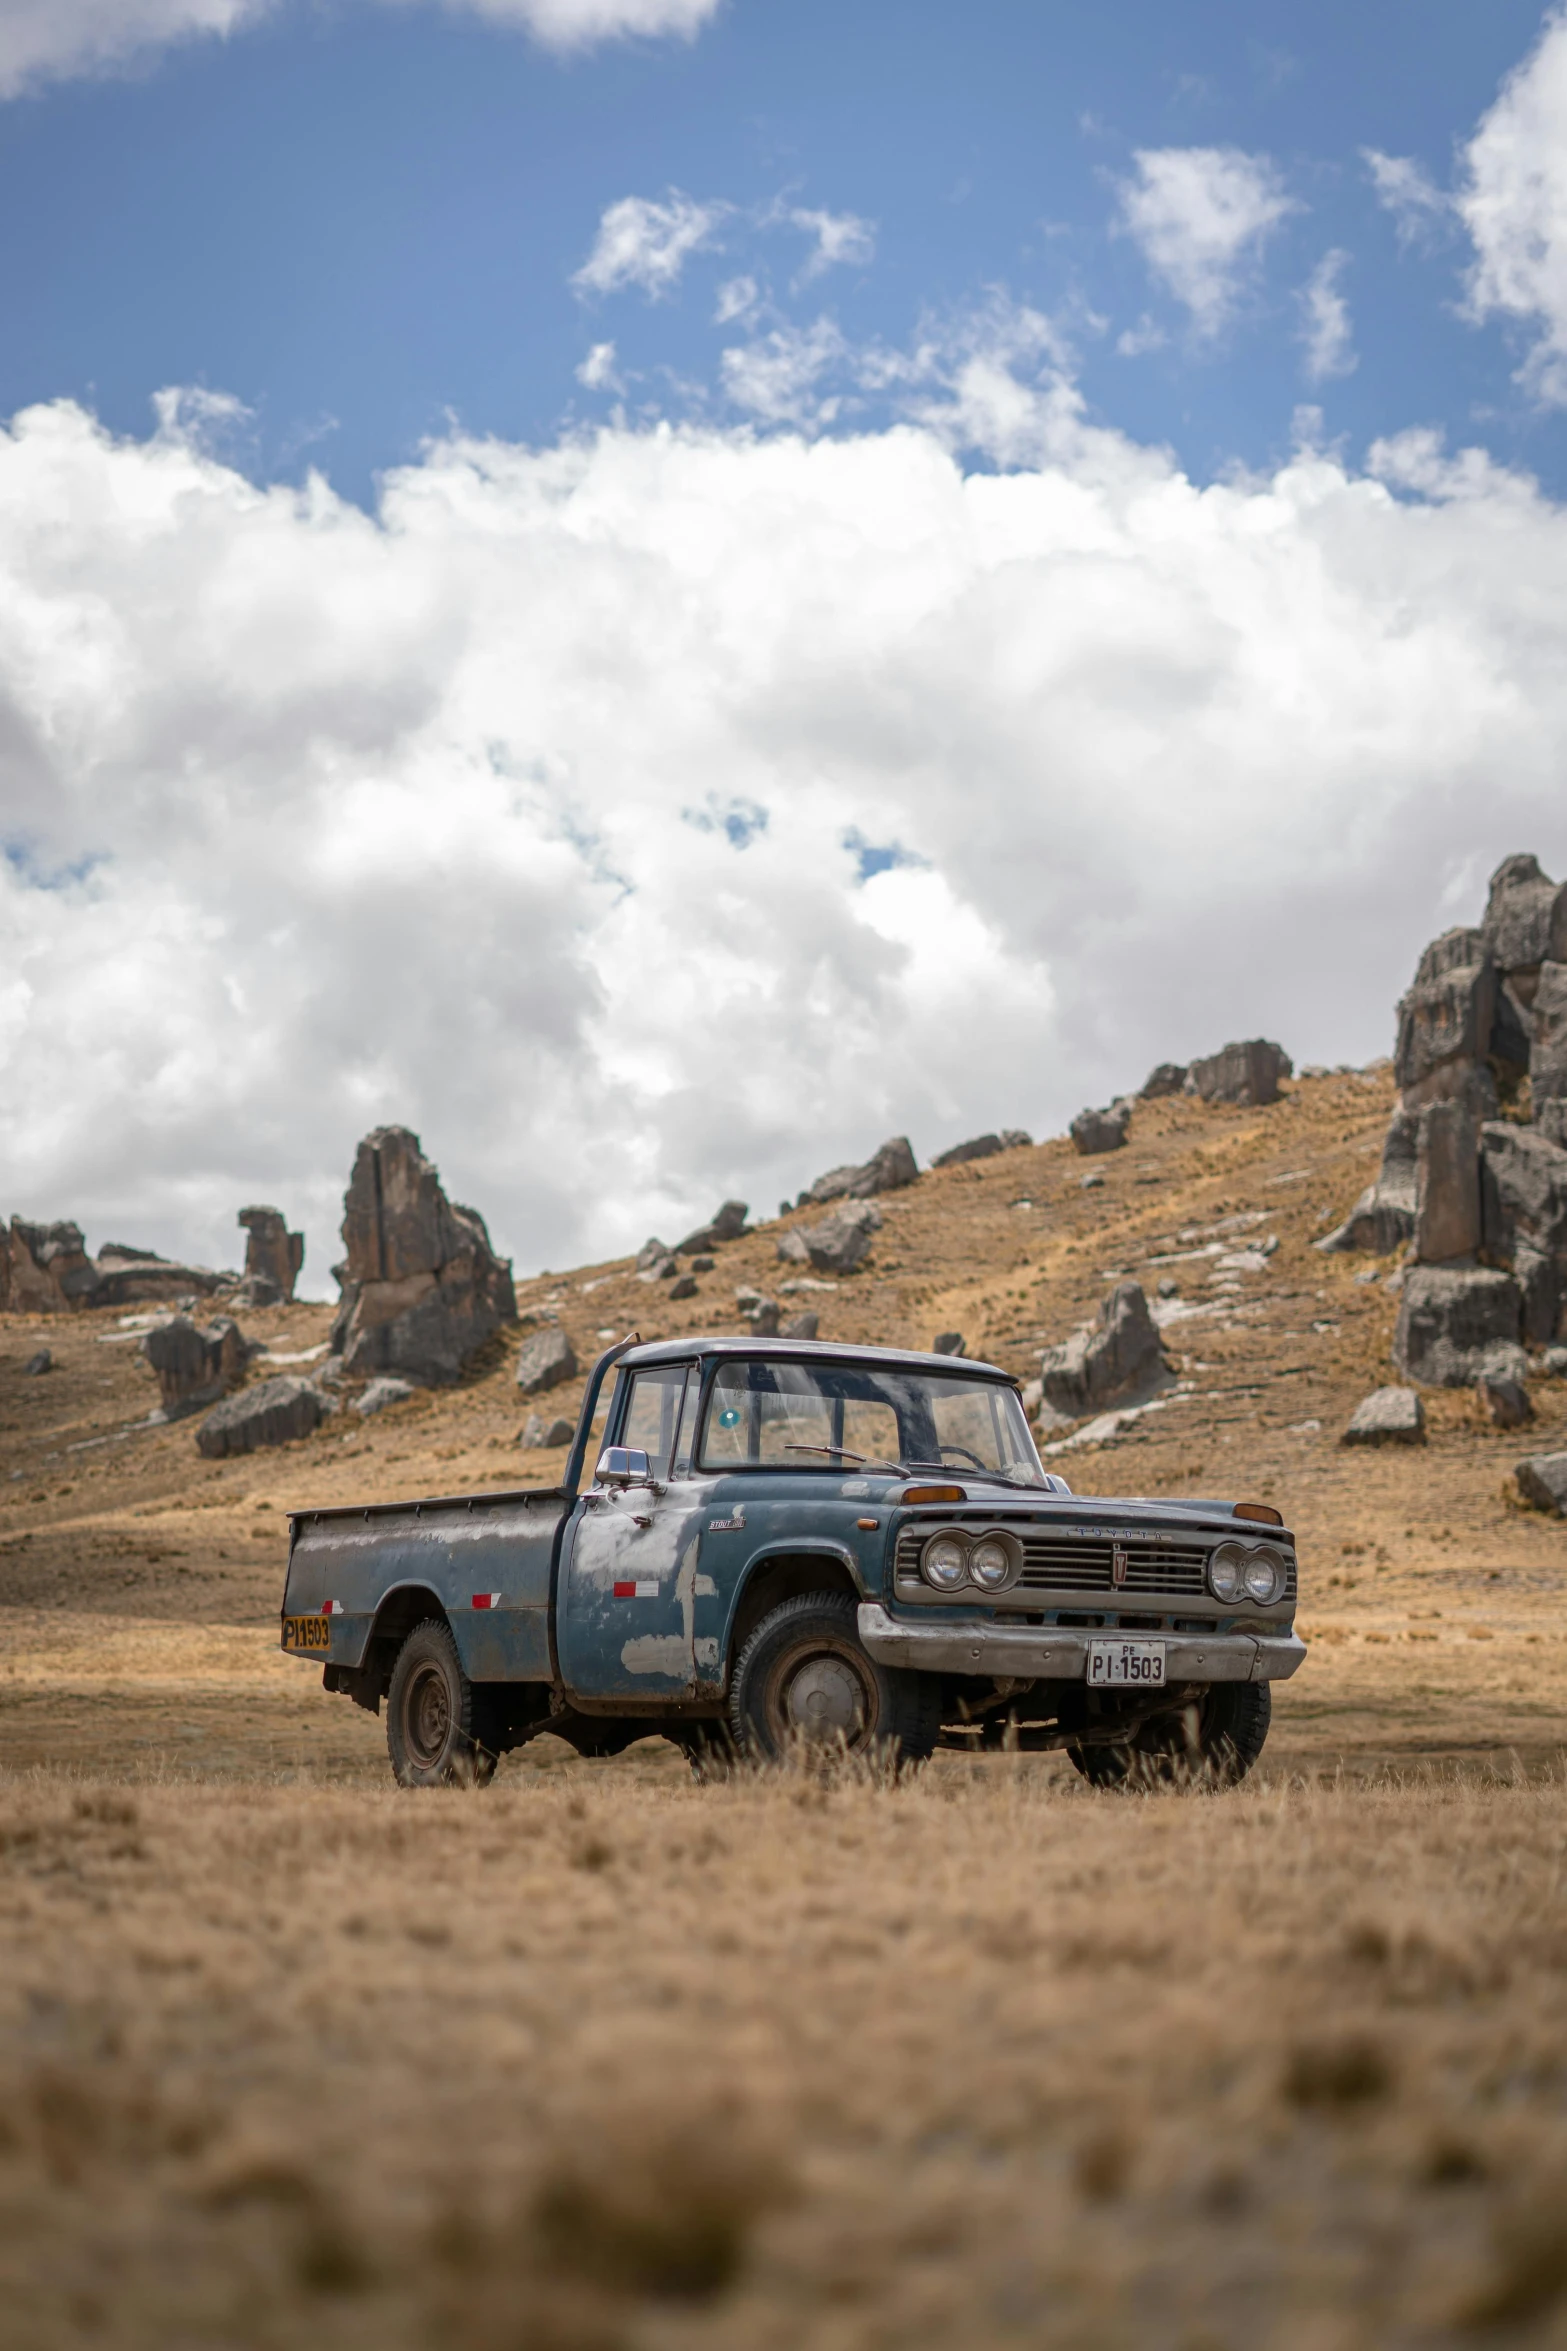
[784, 1575]
[397, 1613]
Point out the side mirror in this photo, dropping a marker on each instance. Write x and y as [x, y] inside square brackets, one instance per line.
[623, 1465]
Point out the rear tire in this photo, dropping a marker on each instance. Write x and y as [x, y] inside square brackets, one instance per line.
[1212, 1743]
[430, 1725]
[805, 1679]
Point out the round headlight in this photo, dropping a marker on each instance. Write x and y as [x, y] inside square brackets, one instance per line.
[944, 1562]
[990, 1564]
[1227, 1572]
[1264, 1576]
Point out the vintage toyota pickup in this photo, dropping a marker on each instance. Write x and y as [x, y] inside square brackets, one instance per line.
[785, 1543]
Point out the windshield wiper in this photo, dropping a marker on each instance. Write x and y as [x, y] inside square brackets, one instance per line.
[893, 1469]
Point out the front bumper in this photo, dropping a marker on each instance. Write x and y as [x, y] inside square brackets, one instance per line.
[1025, 1653]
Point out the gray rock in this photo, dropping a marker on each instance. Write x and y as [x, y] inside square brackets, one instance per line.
[1445, 1022]
[1091, 1183]
[422, 1288]
[256, 1289]
[652, 1252]
[1388, 1416]
[138, 1277]
[46, 1268]
[195, 1367]
[948, 1343]
[1095, 1131]
[660, 1269]
[801, 1326]
[685, 1287]
[1447, 1184]
[1456, 1324]
[1169, 1287]
[1554, 1361]
[272, 1252]
[1523, 1199]
[1548, 1036]
[277, 1412]
[1542, 1481]
[1247, 1073]
[542, 1436]
[1383, 1218]
[979, 1147]
[1505, 1403]
[703, 1264]
[838, 1244]
[380, 1394]
[1016, 1139]
[892, 1167]
[37, 1364]
[1169, 1078]
[1525, 919]
[727, 1225]
[546, 1360]
[1106, 1361]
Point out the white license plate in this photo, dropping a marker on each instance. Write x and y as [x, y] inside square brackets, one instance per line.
[1132, 1665]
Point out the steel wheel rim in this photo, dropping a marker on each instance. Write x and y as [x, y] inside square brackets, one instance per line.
[427, 1715]
[822, 1694]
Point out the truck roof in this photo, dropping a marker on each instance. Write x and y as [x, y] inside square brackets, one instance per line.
[808, 1351]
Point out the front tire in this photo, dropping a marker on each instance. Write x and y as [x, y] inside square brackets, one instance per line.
[1211, 1742]
[805, 1679]
[430, 1709]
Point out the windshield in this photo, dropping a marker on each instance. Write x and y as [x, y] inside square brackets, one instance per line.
[781, 1415]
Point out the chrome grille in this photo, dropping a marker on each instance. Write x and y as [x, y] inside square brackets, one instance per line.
[1078, 1563]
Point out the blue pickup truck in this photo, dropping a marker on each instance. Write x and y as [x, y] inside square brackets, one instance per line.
[789, 1543]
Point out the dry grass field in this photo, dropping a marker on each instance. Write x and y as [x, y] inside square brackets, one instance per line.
[601, 2058]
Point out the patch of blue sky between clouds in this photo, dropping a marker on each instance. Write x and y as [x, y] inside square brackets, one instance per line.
[740, 821]
[874, 857]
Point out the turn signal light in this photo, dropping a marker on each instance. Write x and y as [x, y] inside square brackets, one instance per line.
[1263, 1512]
[935, 1494]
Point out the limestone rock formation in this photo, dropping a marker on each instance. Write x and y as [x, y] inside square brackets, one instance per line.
[47, 1269]
[540, 1435]
[546, 1360]
[1547, 1016]
[1455, 1324]
[978, 1147]
[1246, 1073]
[891, 1168]
[1447, 1184]
[1542, 1481]
[278, 1412]
[195, 1367]
[139, 1277]
[1525, 921]
[1108, 1360]
[1388, 1416]
[1383, 1218]
[727, 1225]
[272, 1253]
[1094, 1131]
[838, 1244]
[948, 1343]
[1169, 1078]
[1523, 1192]
[422, 1288]
[1444, 1025]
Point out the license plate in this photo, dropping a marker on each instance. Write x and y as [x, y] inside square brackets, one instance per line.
[1119, 1665]
[307, 1632]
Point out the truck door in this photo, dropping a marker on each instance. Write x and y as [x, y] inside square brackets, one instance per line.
[625, 1623]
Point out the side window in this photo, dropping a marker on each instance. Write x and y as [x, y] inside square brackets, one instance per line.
[652, 1420]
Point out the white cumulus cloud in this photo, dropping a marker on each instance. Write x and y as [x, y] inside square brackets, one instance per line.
[1200, 216]
[1325, 324]
[671, 813]
[642, 242]
[839, 239]
[1513, 201]
[1406, 190]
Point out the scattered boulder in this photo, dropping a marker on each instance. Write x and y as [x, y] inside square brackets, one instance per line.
[979, 1147]
[801, 1326]
[1445, 1023]
[684, 1287]
[1247, 1074]
[277, 1412]
[195, 1367]
[1455, 1324]
[838, 1244]
[892, 1167]
[727, 1225]
[1383, 1218]
[1542, 1481]
[1169, 1078]
[1091, 1183]
[272, 1253]
[1504, 1402]
[1447, 1184]
[1106, 1361]
[703, 1264]
[1168, 1287]
[139, 1277]
[1523, 1200]
[660, 1269]
[37, 1364]
[652, 1252]
[1388, 1416]
[1016, 1139]
[547, 1359]
[422, 1288]
[542, 1436]
[948, 1343]
[760, 1311]
[48, 1271]
[380, 1393]
[1094, 1131]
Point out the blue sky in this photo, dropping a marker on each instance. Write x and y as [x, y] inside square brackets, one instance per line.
[661, 590]
[361, 221]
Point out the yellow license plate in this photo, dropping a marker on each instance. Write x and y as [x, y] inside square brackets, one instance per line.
[307, 1632]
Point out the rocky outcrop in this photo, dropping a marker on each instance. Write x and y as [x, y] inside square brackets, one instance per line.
[546, 1361]
[892, 1167]
[1389, 1416]
[1383, 1218]
[1457, 1324]
[138, 1277]
[278, 1412]
[195, 1367]
[1547, 1017]
[1168, 1078]
[1542, 1482]
[422, 1287]
[379, 1394]
[1525, 922]
[1247, 1074]
[1109, 1360]
[1094, 1131]
[273, 1255]
[948, 1343]
[47, 1268]
[1523, 1196]
[1444, 1025]
[727, 1225]
[839, 1244]
[978, 1147]
[1447, 1184]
